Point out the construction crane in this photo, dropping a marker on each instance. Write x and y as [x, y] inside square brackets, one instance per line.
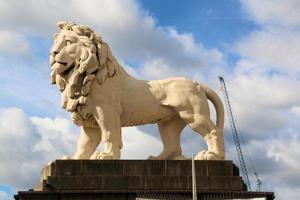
[258, 182]
[235, 134]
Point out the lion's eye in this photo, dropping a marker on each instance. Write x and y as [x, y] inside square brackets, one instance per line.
[68, 42]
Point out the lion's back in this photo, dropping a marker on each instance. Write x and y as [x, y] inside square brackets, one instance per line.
[177, 91]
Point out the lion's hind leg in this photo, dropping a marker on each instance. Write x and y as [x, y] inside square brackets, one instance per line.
[170, 131]
[214, 140]
[197, 116]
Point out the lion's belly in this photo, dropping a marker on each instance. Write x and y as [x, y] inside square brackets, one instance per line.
[147, 114]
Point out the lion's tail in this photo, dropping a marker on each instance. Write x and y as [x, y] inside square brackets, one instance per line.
[215, 99]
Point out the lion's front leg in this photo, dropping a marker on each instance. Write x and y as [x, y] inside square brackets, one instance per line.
[88, 141]
[110, 125]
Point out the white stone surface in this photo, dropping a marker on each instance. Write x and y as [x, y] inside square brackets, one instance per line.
[102, 98]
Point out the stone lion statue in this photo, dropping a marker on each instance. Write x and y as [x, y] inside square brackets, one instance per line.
[102, 97]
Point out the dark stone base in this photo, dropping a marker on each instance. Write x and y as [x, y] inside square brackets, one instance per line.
[129, 179]
[133, 195]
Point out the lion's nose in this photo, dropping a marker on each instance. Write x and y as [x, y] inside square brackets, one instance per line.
[54, 52]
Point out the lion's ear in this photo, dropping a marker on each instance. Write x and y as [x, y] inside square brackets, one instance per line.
[65, 25]
[61, 25]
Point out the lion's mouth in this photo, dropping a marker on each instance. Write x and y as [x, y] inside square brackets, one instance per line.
[68, 69]
[62, 63]
[60, 67]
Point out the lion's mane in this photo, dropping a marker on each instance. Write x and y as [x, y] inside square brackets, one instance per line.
[96, 62]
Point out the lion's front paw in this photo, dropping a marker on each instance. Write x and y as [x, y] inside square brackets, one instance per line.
[179, 157]
[153, 158]
[208, 155]
[101, 156]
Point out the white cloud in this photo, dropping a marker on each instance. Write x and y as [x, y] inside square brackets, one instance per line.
[13, 43]
[283, 150]
[276, 162]
[29, 143]
[263, 84]
[27, 85]
[272, 48]
[261, 100]
[132, 33]
[296, 110]
[139, 145]
[26, 145]
[282, 153]
[17, 136]
[275, 12]
[266, 77]
[158, 68]
[58, 131]
[287, 193]
[264, 89]
[4, 196]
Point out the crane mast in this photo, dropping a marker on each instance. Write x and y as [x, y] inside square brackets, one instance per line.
[235, 134]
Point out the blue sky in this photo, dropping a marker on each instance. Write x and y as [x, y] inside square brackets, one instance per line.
[211, 22]
[254, 44]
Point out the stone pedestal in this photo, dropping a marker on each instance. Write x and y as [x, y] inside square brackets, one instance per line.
[131, 179]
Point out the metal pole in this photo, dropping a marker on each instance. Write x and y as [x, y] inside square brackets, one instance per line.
[194, 179]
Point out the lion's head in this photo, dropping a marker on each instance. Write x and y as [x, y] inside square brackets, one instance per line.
[77, 58]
